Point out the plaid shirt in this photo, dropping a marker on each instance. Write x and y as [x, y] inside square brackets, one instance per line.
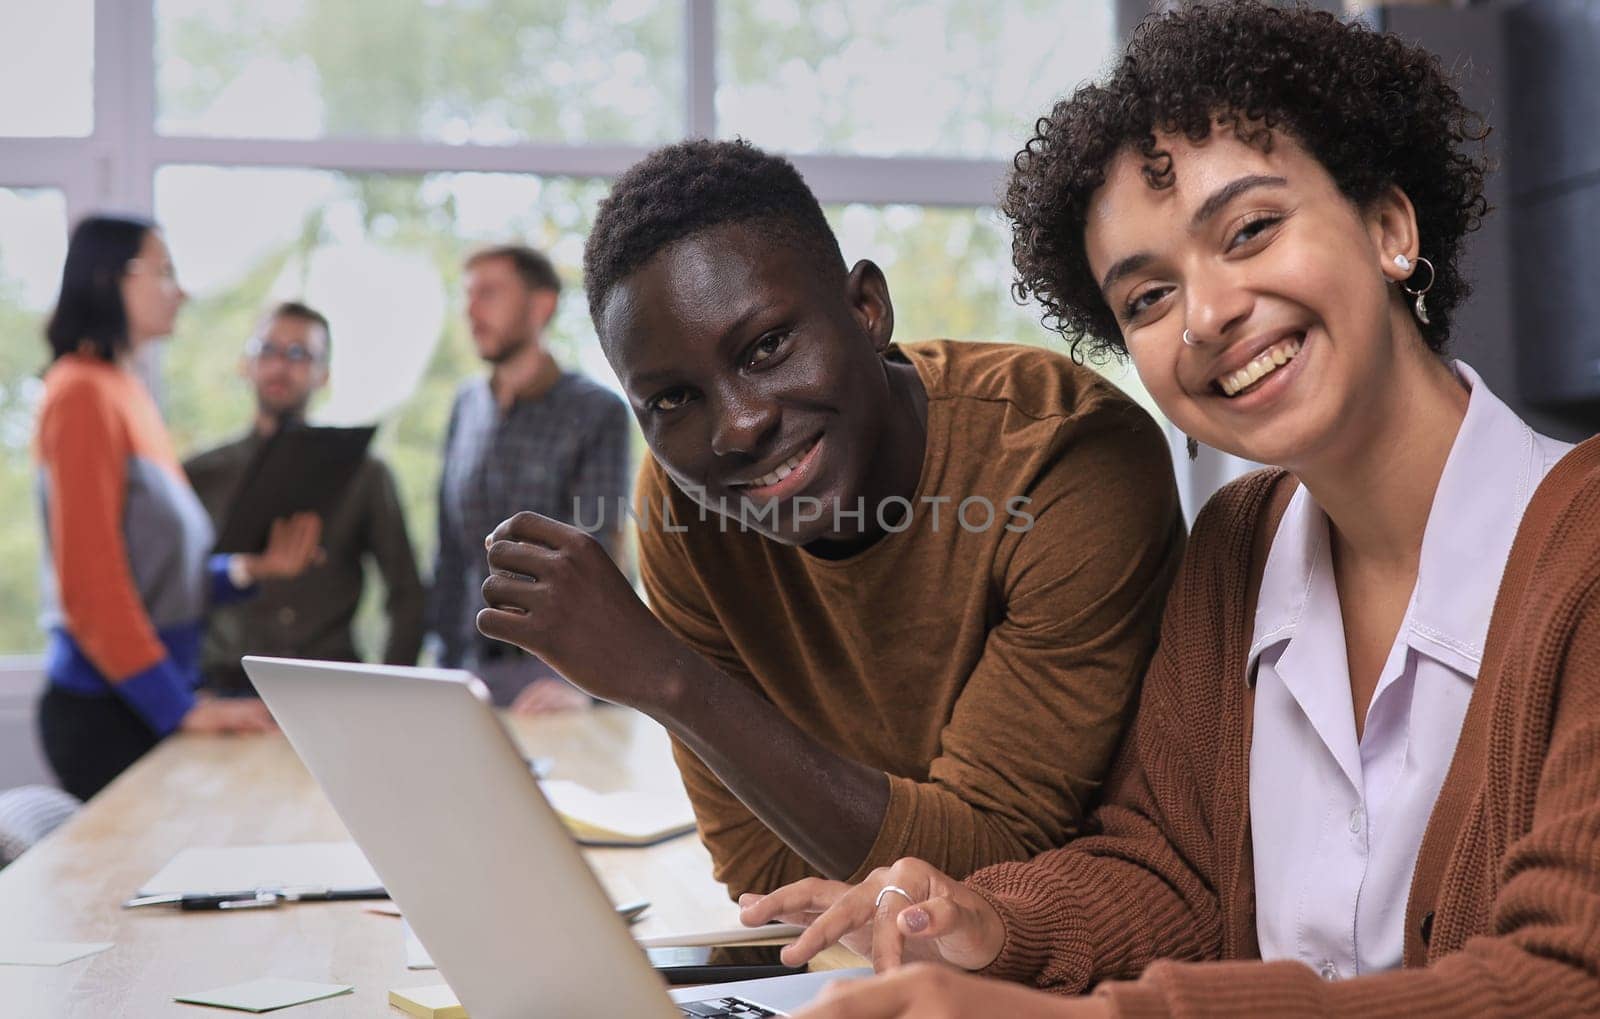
[568, 447]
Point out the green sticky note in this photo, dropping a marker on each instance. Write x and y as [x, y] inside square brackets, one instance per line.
[265, 994]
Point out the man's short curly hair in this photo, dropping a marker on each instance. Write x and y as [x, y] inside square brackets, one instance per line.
[1373, 110]
[692, 186]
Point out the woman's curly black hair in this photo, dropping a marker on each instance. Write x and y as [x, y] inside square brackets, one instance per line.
[1372, 109]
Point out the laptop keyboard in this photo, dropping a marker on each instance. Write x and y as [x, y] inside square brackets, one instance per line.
[724, 1008]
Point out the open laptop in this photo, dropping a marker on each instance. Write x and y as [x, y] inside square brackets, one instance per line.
[440, 799]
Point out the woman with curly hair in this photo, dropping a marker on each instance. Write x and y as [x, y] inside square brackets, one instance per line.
[1364, 775]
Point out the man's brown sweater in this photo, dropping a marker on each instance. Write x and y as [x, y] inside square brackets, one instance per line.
[1504, 910]
[986, 664]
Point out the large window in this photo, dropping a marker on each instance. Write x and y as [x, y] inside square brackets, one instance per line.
[46, 62]
[949, 273]
[350, 152]
[381, 256]
[891, 77]
[33, 227]
[488, 72]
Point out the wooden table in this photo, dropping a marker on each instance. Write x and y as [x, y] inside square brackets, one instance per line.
[216, 791]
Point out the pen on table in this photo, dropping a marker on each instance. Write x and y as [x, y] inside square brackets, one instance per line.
[270, 898]
[257, 898]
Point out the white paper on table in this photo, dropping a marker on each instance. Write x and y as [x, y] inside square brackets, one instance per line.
[722, 936]
[335, 865]
[626, 815]
[47, 953]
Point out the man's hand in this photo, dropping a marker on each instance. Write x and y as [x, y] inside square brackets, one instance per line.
[910, 911]
[291, 547]
[549, 696]
[925, 991]
[228, 715]
[554, 592]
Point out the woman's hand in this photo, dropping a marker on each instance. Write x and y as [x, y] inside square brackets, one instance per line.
[228, 715]
[291, 547]
[554, 592]
[910, 911]
[801, 903]
[923, 991]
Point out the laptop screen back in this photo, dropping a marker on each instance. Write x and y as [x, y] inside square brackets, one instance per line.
[440, 799]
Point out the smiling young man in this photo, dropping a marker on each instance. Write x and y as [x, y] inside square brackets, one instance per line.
[902, 593]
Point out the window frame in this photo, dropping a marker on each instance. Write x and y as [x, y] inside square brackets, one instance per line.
[115, 165]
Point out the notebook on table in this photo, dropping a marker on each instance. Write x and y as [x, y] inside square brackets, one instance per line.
[620, 818]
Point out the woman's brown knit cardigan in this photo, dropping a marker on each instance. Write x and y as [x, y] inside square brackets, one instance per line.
[1504, 911]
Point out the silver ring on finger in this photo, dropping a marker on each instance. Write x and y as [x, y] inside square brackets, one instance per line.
[885, 890]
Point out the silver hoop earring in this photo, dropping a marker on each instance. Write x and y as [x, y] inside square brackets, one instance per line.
[1420, 293]
[1188, 339]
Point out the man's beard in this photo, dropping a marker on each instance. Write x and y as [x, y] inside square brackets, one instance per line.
[285, 417]
[509, 348]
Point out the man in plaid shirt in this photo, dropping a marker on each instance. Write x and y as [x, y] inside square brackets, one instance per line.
[530, 436]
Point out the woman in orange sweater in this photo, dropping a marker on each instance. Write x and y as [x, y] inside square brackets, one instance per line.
[1364, 776]
[130, 573]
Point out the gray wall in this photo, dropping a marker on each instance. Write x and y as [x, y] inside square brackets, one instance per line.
[1553, 83]
[1472, 41]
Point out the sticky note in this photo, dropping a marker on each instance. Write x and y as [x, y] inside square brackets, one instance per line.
[436, 1001]
[265, 994]
[48, 953]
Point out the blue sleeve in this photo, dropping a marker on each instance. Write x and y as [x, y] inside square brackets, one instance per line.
[222, 590]
[161, 695]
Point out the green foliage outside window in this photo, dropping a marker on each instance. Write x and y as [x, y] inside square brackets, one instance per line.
[594, 71]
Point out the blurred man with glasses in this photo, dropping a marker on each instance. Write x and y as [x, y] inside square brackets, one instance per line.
[311, 616]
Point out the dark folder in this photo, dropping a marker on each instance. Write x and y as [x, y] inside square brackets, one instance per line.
[297, 470]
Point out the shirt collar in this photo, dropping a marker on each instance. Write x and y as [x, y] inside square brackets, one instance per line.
[1292, 563]
[1488, 480]
[1493, 467]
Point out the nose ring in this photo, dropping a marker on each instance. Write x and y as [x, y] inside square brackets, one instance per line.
[1188, 338]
